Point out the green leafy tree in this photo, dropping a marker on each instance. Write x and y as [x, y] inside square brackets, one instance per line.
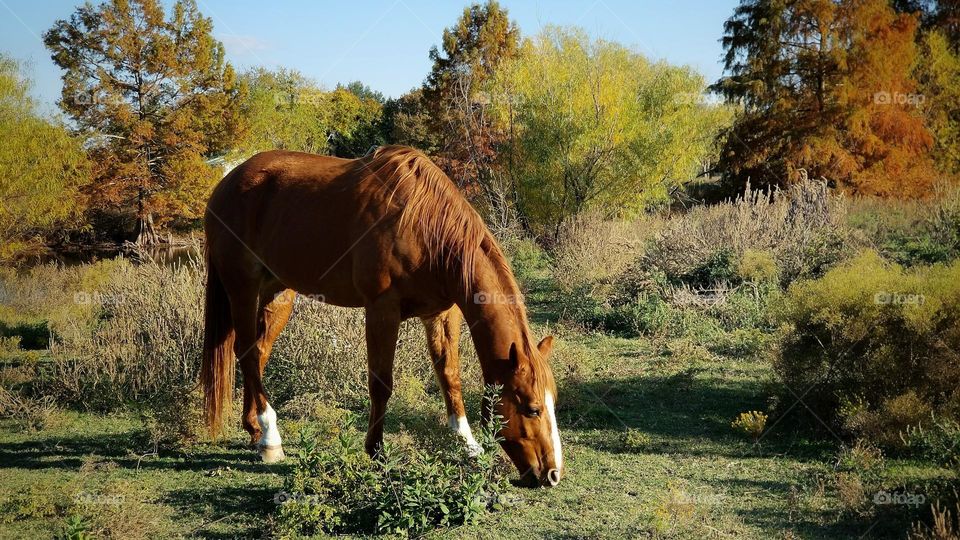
[407, 121]
[286, 110]
[596, 125]
[154, 93]
[939, 75]
[41, 167]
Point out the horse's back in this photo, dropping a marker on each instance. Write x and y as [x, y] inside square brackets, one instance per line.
[289, 213]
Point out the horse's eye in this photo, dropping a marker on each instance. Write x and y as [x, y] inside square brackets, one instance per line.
[533, 412]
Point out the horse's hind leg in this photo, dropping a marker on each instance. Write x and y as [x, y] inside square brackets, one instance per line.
[443, 340]
[274, 312]
[258, 317]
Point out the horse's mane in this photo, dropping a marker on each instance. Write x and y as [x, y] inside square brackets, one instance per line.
[451, 229]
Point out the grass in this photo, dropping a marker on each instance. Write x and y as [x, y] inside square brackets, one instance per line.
[648, 444]
[688, 475]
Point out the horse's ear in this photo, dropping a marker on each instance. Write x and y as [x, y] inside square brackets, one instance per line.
[545, 346]
[514, 358]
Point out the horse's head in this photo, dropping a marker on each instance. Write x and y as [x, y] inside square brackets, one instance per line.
[530, 436]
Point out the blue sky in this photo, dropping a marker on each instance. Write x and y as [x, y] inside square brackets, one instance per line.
[384, 43]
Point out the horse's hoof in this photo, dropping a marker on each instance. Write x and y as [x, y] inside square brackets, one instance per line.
[474, 450]
[272, 454]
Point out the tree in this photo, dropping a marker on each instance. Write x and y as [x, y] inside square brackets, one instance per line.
[406, 121]
[156, 98]
[825, 86]
[593, 124]
[939, 74]
[41, 166]
[940, 15]
[286, 110]
[369, 129]
[453, 95]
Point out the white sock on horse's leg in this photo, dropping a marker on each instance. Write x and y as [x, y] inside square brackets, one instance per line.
[271, 447]
[460, 426]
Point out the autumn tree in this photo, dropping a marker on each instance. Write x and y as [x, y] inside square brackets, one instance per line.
[41, 167]
[155, 97]
[940, 15]
[454, 95]
[593, 124]
[825, 86]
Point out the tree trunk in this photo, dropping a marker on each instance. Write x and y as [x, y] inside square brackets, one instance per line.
[146, 232]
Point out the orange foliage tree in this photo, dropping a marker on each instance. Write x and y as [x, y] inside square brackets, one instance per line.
[825, 86]
[155, 98]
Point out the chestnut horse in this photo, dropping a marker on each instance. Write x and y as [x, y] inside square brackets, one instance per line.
[390, 233]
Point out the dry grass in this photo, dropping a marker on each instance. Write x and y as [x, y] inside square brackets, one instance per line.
[592, 250]
[796, 226]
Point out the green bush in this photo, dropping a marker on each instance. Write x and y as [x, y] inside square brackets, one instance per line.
[912, 232]
[336, 488]
[527, 258]
[935, 439]
[873, 345]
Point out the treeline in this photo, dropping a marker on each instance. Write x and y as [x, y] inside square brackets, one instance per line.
[865, 93]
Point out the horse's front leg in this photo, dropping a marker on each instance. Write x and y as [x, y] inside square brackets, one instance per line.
[443, 341]
[382, 327]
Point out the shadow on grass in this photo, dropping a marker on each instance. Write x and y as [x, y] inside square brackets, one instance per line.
[126, 451]
[682, 413]
[226, 512]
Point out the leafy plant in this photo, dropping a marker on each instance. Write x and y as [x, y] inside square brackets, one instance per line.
[751, 423]
[857, 334]
[336, 488]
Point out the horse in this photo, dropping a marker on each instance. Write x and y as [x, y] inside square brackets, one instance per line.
[390, 233]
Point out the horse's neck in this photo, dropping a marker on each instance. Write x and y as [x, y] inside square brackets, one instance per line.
[492, 311]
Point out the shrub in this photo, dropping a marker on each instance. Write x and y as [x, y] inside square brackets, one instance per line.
[29, 413]
[751, 423]
[876, 342]
[527, 259]
[323, 351]
[938, 442]
[142, 340]
[912, 232]
[757, 266]
[591, 251]
[336, 488]
[945, 524]
[802, 229]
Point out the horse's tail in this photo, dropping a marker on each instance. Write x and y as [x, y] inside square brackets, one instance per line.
[217, 372]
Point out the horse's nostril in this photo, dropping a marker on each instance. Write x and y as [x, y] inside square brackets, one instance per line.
[553, 477]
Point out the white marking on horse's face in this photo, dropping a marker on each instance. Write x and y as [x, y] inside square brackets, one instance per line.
[268, 427]
[554, 431]
[460, 426]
